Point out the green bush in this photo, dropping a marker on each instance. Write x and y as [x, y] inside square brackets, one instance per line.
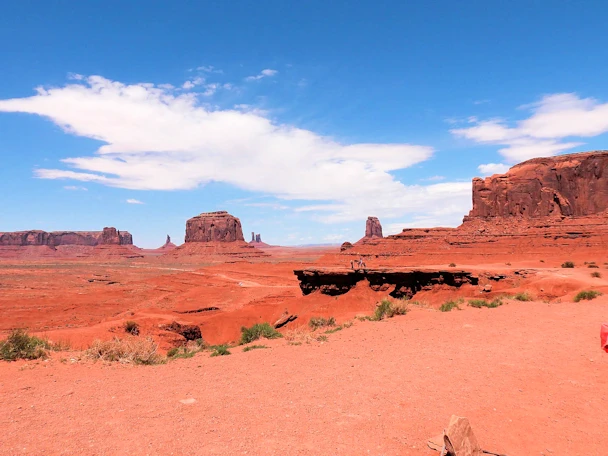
[386, 309]
[449, 305]
[587, 295]
[20, 345]
[320, 322]
[523, 296]
[220, 350]
[479, 303]
[568, 264]
[258, 330]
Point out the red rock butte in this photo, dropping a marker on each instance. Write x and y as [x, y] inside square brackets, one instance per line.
[217, 226]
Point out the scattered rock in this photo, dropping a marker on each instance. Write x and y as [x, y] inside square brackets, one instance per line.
[189, 332]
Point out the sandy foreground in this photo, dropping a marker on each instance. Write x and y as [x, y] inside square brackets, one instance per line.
[530, 376]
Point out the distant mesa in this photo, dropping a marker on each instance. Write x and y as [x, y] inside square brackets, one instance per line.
[572, 185]
[217, 226]
[109, 236]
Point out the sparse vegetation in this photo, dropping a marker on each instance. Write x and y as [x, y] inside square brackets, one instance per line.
[523, 296]
[568, 264]
[333, 330]
[322, 339]
[253, 347]
[132, 350]
[321, 322]
[479, 303]
[220, 350]
[449, 305]
[257, 331]
[593, 265]
[386, 309]
[542, 261]
[587, 295]
[452, 265]
[596, 275]
[188, 350]
[20, 345]
[132, 328]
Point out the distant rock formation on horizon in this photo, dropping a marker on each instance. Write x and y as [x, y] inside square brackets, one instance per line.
[217, 226]
[108, 236]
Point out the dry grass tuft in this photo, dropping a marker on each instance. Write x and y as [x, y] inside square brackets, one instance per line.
[131, 350]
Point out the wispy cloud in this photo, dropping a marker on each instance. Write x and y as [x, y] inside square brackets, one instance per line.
[478, 102]
[493, 168]
[267, 73]
[209, 69]
[159, 139]
[554, 118]
[433, 179]
[75, 188]
[134, 201]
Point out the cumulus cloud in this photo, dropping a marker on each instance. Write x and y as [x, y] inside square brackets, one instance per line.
[158, 139]
[554, 119]
[493, 168]
[263, 74]
[134, 201]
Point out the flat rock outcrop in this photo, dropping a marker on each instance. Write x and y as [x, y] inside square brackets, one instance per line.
[217, 226]
[373, 228]
[574, 185]
[109, 236]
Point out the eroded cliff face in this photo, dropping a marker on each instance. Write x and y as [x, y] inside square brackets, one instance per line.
[109, 236]
[567, 185]
[214, 227]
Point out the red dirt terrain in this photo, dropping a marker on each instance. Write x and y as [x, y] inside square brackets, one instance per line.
[530, 376]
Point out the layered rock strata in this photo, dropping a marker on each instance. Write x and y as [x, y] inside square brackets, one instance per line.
[217, 226]
[109, 236]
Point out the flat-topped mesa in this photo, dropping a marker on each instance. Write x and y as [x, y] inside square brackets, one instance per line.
[574, 185]
[217, 226]
[373, 228]
[109, 236]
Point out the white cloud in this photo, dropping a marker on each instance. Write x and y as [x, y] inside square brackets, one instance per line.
[434, 178]
[209, 69]
[493, 168]
[134, 201]
[75, 188]
[263, 74]
[554, 118]
[273, 206]
[156, 139]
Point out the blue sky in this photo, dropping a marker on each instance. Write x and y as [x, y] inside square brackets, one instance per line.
[300, 118]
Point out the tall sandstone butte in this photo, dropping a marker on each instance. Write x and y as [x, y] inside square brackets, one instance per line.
[574, 185]
[109, 236]
[217, 226]
[373, 228]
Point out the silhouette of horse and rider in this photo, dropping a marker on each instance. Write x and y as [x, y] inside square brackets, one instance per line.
[357, 264]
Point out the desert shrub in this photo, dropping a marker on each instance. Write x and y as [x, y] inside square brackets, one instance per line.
[452, 265]
[596, 275]
[542, 261]
[593, 265]
[320, 322]
[449, 305]
[253, 347]
[523, 296]
[220, 350]
[587, 295]
[132, 328]
[322, 339]
[479, 303]
[188, 350]
[568, 264]
[258, 330]
[20, 345]
[386, 309]
[131, 350]
[334, 330]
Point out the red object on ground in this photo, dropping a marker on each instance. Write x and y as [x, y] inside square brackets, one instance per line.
[604, 337]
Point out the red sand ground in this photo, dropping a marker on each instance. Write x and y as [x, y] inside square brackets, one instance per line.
[529, 375]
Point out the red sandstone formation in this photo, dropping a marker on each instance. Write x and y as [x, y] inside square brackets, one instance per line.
[567, 185]
[168, 244]
[373, 228]
[109, 236]
[214, 227]
[545, 208]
